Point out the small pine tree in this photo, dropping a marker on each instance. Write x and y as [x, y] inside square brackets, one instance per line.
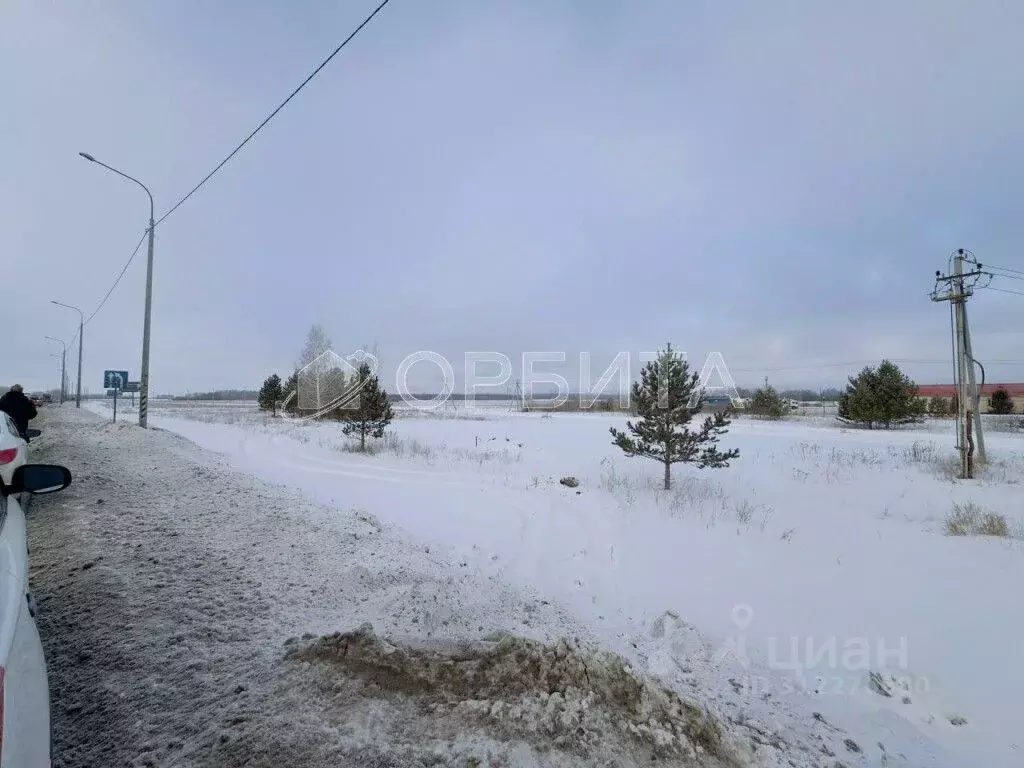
[767, 404]
[290, 393]
[1000, 402]
[938, 406]
[666, 398]
[371, 413]
[270, 394]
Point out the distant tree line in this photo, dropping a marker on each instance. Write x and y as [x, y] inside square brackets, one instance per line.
[221, 394]
[827, 395]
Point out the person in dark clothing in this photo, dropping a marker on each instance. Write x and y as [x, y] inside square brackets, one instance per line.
[21, 410]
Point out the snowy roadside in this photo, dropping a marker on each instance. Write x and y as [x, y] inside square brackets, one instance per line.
[172, 592]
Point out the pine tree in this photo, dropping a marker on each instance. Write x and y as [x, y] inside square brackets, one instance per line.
[371, 412]
[938, 406]
[881, 396]
[270, 394]
[768, 404]
[290, 393]
[1000, 402]
[666, 398]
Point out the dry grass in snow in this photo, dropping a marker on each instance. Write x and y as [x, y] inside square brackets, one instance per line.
[968, 519]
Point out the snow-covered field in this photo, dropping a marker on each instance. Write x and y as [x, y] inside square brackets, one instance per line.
[774, 588]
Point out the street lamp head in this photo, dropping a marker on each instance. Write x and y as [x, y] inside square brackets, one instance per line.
[88, 157]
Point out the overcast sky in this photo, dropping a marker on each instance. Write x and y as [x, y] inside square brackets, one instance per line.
[777, 182]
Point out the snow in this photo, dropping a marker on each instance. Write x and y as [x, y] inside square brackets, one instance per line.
[819, 557]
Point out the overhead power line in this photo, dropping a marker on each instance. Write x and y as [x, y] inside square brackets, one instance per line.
[903, 361]
[120, 275]
[235, 151]
[1005, 275]
[1003, 290]
[838, 365]
[277, 109]
[1006, 269]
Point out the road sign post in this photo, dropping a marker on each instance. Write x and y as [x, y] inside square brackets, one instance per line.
[133, 387]
[116, 381]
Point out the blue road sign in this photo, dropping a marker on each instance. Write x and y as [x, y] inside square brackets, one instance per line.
[115, 379]
[131, 386]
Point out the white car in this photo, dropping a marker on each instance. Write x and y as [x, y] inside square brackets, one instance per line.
[13, 449]
[24, 697]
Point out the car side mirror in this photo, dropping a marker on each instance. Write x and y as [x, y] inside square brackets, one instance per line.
[39, 478]
[33, 432]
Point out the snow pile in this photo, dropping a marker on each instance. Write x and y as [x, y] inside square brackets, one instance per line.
[558, 696]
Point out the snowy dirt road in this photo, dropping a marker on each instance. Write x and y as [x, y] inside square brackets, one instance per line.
[181, 609]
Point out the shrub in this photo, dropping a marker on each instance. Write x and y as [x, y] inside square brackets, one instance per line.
[1000, 402]
[969, 519]
[767, 404]
[992, 524]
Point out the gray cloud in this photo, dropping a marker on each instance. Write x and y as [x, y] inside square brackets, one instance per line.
[778, 183]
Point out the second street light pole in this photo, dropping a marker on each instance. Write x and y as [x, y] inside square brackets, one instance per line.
[81, 330]
[144, 376]
[63, 367]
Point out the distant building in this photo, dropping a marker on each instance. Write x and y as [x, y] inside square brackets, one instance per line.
[1015, 391]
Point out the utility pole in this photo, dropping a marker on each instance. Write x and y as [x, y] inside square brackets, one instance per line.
[975, 389]
[958, 287]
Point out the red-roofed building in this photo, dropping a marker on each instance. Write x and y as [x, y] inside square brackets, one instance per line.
[1015, 391]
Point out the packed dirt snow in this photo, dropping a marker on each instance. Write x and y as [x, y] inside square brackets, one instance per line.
[557, 697]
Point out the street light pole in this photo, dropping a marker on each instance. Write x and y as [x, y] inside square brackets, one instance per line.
[81, 331]
[144, 375]
[63, 366]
